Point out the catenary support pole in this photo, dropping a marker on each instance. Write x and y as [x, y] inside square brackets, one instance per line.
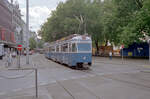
[36, 83]
[27, 32]
[19, 58]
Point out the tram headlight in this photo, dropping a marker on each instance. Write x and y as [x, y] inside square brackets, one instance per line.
[84, 58]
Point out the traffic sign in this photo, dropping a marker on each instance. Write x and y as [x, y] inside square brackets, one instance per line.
[19, 47]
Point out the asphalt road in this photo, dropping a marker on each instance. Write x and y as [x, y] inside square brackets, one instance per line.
[106, 79]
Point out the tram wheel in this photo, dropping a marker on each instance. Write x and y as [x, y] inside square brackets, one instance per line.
[79, 65]
[73, 67]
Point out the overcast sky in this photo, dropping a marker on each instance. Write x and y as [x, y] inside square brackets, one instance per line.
[39, 11]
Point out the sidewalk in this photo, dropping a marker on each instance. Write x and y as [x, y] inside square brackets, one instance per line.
[14, 64]
[27, 94]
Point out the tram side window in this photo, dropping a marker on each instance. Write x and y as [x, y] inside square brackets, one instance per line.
[47, 50]
[53, 49]
[70, 48]
[74, 48]
[57, 49]
[61, 48]
[50, 50]
[64, 48]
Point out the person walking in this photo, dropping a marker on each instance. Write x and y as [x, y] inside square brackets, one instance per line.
[9, 56]
[10, 59]
[110, 55]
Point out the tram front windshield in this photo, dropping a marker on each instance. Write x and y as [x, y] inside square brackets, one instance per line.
[84, 47]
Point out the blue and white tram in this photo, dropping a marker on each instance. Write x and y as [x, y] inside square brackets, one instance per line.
[75, 51]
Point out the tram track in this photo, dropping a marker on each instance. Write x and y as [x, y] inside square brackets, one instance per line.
[117, 79]
[95, 73]
[130, 83]
[90, 71]
[70, 93]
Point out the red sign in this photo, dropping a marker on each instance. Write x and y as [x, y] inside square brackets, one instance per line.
[19, 47]
[3, 34]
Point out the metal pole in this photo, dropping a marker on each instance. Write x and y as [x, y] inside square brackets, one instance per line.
[36, 83]
[27, 31]
[12, 15]
[18, 59]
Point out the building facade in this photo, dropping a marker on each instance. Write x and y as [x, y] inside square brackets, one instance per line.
[6, 30]
[12, 27]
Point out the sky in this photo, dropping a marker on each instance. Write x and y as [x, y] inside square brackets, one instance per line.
[39, 10]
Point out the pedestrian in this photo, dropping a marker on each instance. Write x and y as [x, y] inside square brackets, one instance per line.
[13, 54]
[10, 59]
[110, 55]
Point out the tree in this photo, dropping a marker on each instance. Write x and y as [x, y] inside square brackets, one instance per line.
[118, 15]
[94, 23]
[139, 27]
[116, 21]
[40, 44]
[109, 21]
[32, 43]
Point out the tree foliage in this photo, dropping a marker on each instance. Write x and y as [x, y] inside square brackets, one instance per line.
[32, 43]
[40, 44]
[116, 21]
[139, 25]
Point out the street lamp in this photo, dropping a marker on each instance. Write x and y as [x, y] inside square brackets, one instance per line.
[27, 31]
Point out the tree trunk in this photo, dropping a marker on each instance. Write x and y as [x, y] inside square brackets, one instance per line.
[105, 47]
[97, 47]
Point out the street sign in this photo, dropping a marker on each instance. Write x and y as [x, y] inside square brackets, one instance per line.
[19, 47]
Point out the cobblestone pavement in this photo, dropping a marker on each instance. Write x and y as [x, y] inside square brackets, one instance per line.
[106, 79]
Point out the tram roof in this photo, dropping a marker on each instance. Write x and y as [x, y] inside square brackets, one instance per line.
[72, 38]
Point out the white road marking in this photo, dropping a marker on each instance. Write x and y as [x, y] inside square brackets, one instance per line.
[53, 81]
[74, 77]
[19, 89]
[43, 83]
[2, 93]
[30, 86]
[64, 79]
